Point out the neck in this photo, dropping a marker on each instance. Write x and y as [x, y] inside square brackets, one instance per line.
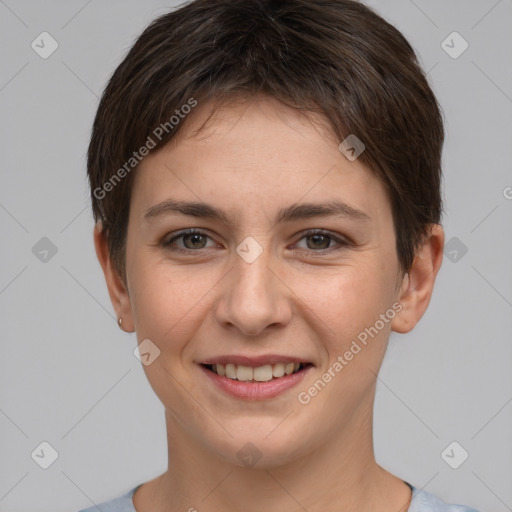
[340, 474]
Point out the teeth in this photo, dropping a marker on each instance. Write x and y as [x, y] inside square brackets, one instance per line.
[278, 370]
[244, 372]
[263, 373]
[289, 368]
[230, 371]
[259, 374]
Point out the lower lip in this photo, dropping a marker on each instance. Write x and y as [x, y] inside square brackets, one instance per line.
[252, 390]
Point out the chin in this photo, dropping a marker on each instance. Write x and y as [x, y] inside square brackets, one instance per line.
[261, 445]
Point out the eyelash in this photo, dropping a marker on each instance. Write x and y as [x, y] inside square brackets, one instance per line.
[341, 244]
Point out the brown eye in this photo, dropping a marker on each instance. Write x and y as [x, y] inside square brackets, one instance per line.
[194, 241]
[191, 240]
[319, 241]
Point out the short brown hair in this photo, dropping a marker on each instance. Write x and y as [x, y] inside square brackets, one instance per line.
[334, 57]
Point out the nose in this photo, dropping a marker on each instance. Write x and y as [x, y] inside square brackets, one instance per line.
[254, 297]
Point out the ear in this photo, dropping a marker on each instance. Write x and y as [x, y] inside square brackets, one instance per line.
[418, 283]
[116, 287]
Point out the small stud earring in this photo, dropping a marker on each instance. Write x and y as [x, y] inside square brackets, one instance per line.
[120, 322]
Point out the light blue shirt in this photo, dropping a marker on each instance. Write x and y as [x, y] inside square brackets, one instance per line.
[422, 501]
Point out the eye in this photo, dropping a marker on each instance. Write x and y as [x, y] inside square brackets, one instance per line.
[192, 239]
[319, 240]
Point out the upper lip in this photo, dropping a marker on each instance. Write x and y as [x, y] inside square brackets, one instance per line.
[253, 360]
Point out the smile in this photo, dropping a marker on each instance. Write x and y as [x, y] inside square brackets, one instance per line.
[255, 382]
[259, 374]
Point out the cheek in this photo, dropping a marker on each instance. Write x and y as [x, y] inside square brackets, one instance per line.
[167, 301]
[352, 314]
[347, 299]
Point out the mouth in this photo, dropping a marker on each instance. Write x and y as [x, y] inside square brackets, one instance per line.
[264, 373]
[255, 377]
[261, 382]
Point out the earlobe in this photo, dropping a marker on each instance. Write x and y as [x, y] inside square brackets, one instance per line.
[116, 287]
[418, 284]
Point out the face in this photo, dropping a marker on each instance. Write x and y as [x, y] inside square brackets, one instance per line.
[293, 260]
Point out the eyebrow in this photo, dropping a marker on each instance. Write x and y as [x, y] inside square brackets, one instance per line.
[291, 213]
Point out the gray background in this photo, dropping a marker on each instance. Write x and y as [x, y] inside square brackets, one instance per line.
[68, 375]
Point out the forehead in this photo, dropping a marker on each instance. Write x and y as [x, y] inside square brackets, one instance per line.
[256, 152]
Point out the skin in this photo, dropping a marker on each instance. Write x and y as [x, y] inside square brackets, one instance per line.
[302, 296]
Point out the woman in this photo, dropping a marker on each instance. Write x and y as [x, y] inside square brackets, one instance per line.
[265, 177]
